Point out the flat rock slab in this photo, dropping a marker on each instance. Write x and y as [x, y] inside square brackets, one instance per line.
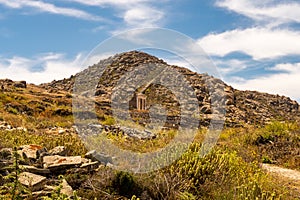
[61, 162]
[34, 170]
[90, 165]
[32, 181]
[41, 193]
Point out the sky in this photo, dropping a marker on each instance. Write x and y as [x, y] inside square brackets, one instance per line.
[255, 44]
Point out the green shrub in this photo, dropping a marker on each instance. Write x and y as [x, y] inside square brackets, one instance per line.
[12, 110]
[266, 159]
[108, 121]
[123, 183]
[221, 174]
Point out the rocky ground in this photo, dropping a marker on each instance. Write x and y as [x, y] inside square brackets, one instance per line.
[38, 169]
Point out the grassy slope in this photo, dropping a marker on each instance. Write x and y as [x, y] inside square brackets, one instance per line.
[34, 108]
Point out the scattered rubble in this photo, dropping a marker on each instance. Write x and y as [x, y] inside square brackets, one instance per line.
[7, 127]
[94, 129]
[42, 180]
[9, 85]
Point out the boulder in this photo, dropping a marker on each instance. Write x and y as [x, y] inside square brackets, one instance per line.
[32, 181]
[206, 109]
[31, 151]
[66, 188]
[61, 131]
[95, 156]
[59, 150]
[20, 84]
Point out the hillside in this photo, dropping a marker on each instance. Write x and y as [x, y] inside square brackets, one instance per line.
[33, 105]
[38, 137]
[241, 106]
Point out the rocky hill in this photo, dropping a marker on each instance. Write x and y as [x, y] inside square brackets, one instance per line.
[241, 106]
[53, 100]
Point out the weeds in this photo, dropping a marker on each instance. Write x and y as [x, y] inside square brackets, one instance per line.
[19, 137]
[230, 171]
[12, 188]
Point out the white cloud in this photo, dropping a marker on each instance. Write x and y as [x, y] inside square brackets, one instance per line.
[226, 67]
[260, 43]
[11, 4]
[134, 13]
[268, 40]
[51, 66]
[135, 36]
[287, 68]
[178, 62]
[95, 58]
[270, 11]
[50, 8]
[142, 16]
[118, 3]
[283, 83]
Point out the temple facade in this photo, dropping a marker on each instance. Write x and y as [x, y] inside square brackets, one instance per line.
[140, 101]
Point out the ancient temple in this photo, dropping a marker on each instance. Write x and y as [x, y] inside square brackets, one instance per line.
[140, 101]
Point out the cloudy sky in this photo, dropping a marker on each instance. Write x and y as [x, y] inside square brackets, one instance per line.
[254, 43]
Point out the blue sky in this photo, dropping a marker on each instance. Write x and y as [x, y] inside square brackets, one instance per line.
[255, 44]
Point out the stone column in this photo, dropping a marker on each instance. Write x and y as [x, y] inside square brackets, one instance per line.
[140, 102]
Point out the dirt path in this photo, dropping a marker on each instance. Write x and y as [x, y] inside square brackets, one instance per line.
[284, 172]
[289, 176]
